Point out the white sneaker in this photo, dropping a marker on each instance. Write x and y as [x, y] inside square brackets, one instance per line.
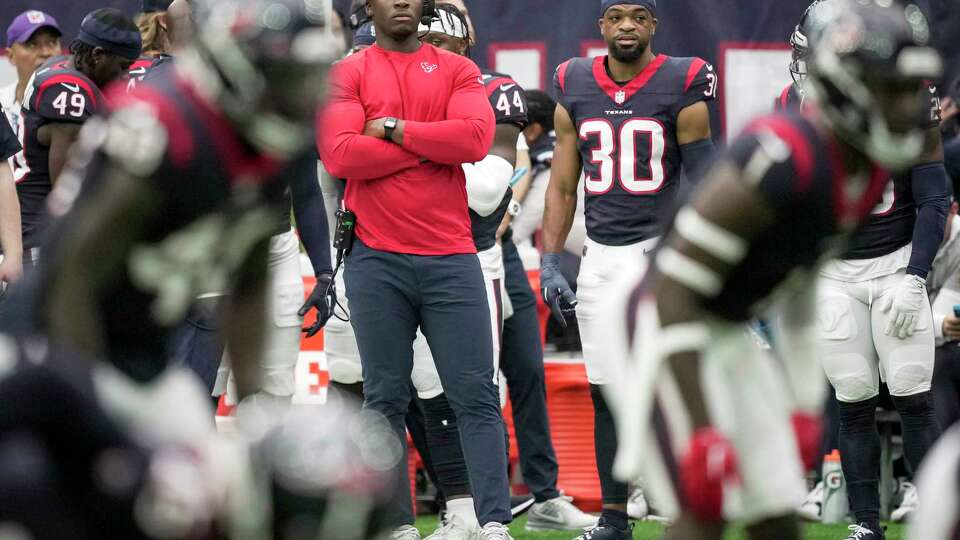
[637, 507]
[812, 507]
[405, 532]
[454, 529]
[495, 531]
[909, 503]
[558, 514]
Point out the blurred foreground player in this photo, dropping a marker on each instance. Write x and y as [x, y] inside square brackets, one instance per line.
[186, 178]
[627, 121]
[711, 439]
[71, 471]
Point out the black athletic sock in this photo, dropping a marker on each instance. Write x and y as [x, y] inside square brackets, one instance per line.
[860, 459]
[443, 439]
[615, 518]
[605, 442]
[920, 427]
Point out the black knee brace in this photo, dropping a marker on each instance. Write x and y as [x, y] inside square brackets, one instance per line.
[443, 439]
[860, 459]
[920, 427]
[605, 442]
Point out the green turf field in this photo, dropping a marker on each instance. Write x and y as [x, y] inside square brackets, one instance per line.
[652, 531]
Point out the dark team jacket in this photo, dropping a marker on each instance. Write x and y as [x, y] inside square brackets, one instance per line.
[56, 94]
[805, 185]
[509, 102]
[628, 140]
[9, 145]
[217, 198]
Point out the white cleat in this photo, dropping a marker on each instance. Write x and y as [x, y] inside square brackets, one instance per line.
[495, 531]
[454, 529]
[558, 514]
[405, 532]
[637, 507]
[812, 507]
[908, 504]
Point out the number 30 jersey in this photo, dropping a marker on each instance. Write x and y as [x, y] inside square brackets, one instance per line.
[56, 94]
[628, 140]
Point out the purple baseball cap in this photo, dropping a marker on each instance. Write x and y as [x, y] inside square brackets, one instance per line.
[27, 23]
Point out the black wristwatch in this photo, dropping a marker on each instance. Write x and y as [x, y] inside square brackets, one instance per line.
[389, 125]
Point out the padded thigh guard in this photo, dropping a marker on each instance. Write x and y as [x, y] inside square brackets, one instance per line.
[846, 339]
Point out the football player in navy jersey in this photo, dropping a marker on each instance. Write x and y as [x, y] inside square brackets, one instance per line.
[63, 94]
[723, 432]
[628, 120]
[877, 324]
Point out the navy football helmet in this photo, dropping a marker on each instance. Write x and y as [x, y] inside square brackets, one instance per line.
[869, 74]
[812, 16]
[265, 63]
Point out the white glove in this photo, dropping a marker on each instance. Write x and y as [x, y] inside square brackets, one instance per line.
[904, 306]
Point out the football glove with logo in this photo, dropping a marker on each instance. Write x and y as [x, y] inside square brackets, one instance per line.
[555, 290]
[324, 299]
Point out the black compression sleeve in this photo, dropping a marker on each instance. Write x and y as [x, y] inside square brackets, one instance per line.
[930, 192]
[311, 216]
[697, 157]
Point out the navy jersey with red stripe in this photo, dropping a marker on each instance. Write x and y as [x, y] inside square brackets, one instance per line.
[892, 222]
[508, 99]
[628, 140]
[509, 102]
[798, 171]
[789, 98]
[213, 199]
[144, 68]
[56, 94]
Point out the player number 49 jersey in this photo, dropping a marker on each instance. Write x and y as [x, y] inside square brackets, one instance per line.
[56, 94]
[628, 139]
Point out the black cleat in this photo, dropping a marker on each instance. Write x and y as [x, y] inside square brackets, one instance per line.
[605, 531]
[863, 531]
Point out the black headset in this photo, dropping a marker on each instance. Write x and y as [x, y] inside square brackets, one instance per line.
[429, 12]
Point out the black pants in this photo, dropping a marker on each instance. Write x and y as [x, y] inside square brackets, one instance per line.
[521, 360]
[197, 343]
[946, 384]
[391, 295]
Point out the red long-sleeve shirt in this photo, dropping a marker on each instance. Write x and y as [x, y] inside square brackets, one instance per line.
[410, 199]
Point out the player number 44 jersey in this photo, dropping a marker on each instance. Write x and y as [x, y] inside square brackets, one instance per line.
[628, 139]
